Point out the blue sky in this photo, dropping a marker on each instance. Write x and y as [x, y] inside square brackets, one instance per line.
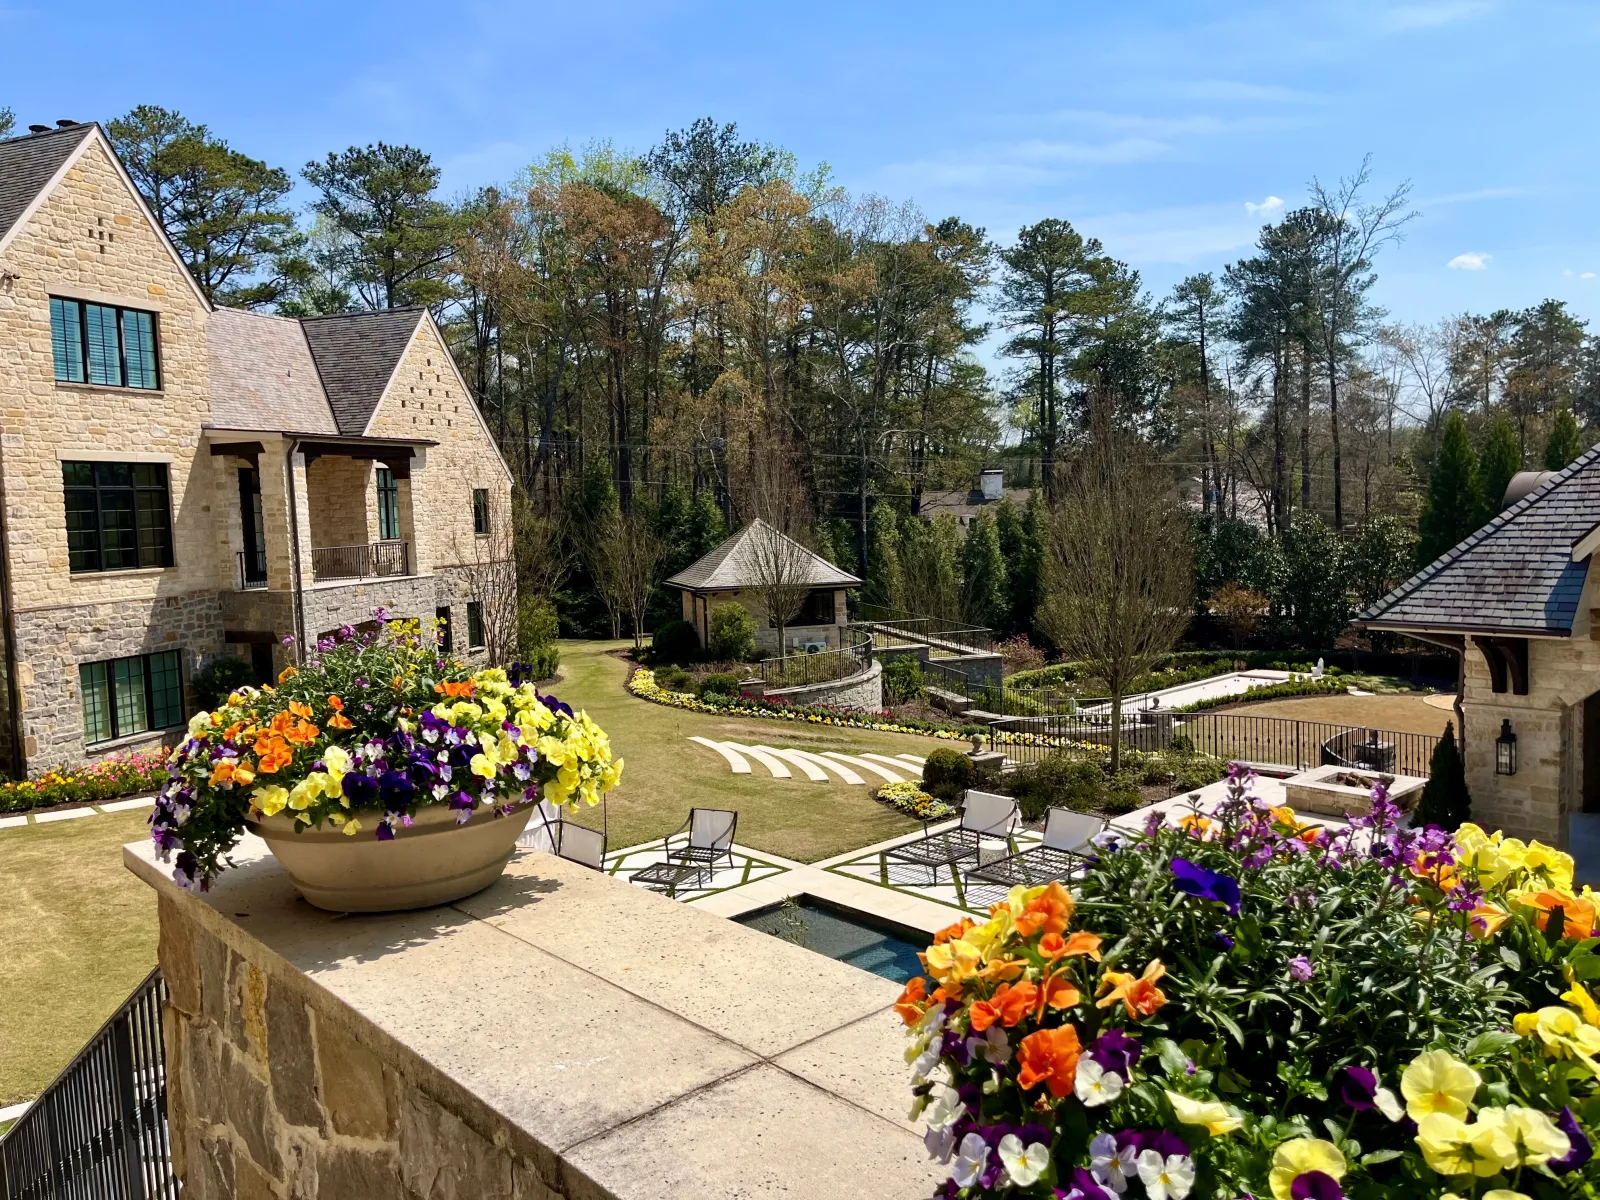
[1154, 126]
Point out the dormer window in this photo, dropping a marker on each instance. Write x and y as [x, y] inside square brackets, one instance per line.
[103, 344]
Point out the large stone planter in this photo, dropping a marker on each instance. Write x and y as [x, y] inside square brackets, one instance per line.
[434, 861]
[1346, 791]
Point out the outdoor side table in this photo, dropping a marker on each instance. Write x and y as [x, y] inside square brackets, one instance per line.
[666, 876]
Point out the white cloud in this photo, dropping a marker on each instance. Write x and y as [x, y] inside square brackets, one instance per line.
[1472, 261]
[1266, 208]
[1407, 17]
[1586, 275]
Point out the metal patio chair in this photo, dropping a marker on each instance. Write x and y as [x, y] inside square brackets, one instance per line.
[1066, 849]
[548, 830]
[707, 842]
[984, 816]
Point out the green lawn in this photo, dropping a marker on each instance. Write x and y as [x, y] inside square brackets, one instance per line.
[78, 931]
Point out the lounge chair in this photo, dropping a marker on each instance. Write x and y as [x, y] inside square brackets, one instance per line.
[1065, 849]
[707, 841]
[984, 816]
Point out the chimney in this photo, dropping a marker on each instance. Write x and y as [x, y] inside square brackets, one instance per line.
[993, 484]
[63, 123]
[38, 129]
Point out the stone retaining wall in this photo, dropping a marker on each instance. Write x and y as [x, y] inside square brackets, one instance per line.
[863, 690]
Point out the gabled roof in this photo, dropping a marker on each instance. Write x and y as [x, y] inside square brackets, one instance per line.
[262, 375]
[1516, 575]
[29, 163]
[356, 356]
[736, 564]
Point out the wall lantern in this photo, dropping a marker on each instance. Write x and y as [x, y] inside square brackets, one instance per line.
[1505, 750]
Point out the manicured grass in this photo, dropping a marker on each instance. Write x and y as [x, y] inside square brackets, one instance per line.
[77, 932]
[1406, 713]
[666, 774]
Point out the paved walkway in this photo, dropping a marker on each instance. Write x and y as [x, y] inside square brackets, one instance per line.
[72, 814]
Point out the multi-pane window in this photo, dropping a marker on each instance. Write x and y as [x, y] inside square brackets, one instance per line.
[474, 625]
[124, 696]
[446, 642]
[480, 511]
[103, 344]
[388, 506]
[117, 515]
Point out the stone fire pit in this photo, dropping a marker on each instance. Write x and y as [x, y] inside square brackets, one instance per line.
[1345, 791]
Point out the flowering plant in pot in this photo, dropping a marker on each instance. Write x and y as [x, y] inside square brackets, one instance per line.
[383, 774]
[1242, 1005]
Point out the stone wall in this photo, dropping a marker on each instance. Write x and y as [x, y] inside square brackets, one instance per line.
[864, 690]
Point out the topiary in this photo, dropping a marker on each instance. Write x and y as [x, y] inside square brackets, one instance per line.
[902, 679]
[947, 774]
[676, 641]
[210, 686]
[733, 633]
[719, 683]
[1445, 800]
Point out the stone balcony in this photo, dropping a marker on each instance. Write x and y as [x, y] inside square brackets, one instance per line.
[559, 1036]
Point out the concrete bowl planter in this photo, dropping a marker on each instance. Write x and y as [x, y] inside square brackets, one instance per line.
[433, 861]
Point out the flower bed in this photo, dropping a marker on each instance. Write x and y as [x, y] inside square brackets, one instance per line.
[109, 779]
[1243, 1005]
[913, 801]
[376, 726]
[1275, 691]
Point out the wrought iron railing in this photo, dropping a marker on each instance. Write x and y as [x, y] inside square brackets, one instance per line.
[948, 637]
[1236, 737]
[99, 1132]
[823, 666]
[360, 562]
[252, 570]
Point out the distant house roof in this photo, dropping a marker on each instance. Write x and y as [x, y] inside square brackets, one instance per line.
[965, 504]
[356, 355]
[29, 163]
[736, 564]
[1516, 575]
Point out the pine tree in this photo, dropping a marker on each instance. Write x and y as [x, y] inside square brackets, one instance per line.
[1446, 802]
[1565, 443]
[983, 574]
[885, 583]
[1501, 460]
[1454, 507]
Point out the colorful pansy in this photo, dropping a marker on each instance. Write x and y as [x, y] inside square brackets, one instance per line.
[375, 727]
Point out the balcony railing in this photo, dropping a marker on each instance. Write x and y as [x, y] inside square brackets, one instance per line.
[252, 570]
[360, 562]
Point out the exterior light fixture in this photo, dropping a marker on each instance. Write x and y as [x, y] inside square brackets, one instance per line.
[1505, 750]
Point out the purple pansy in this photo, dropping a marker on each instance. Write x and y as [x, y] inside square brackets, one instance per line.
[1083, 1186]
[1115, 1051]
[1582, 1150]
[1194, 880]
[1357, 1087]
[1315, 1185]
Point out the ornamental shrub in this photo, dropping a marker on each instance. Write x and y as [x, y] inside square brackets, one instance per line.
[541, 662]
[210, 685]
[733, 633]
[718, 683]
[1057, 781]
[947, 774]
[1238, 1004]
[1446, 802]
[675, 642]
[674, 679]
[902, 679]
[538, 625]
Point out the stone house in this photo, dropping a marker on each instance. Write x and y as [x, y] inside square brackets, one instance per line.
[183, 481]
[734, 572]
[1520, 605]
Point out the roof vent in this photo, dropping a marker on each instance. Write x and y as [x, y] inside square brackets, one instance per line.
[64, 123]
[38, 129]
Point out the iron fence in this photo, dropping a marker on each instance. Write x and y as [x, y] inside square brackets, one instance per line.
[99, 1132]
[823, 666]
[893, 629]
[1236, 737]
[252, 570]
[360, 562]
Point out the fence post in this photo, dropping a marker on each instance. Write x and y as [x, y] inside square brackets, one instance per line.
[127, 1131]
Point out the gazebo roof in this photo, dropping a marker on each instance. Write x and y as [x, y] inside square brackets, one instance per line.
[736, 564]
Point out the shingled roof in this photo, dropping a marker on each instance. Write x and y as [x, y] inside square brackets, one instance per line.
[28, 163]
[1513, 576]
[736, 564]
[356, 355]
[262, 375]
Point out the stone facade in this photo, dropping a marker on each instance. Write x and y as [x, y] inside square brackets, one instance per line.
[91, 239]
[697, 608]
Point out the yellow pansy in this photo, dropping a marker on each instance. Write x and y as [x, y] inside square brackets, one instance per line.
[1435, 1082]
[338, 762]
[1295, 1158]
[270, 800]
[1210, 1113]
[1505, 1194]
[1578, 996]
[1535, 1136]
[199, 724]
[1452, 1147]
[352, 827]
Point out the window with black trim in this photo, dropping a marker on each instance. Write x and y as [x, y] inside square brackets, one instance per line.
[103, 344]
[124, 696]
[817, 610]
[480, 511]
[446, 641]
[474, 625]
[388, 506]
[118, 515]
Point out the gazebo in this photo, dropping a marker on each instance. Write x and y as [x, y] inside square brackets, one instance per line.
[740, 571]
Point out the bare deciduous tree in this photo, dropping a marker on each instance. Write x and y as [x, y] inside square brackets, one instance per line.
[626, 560]
[1122, 576]
[488, 564]
[769, 490]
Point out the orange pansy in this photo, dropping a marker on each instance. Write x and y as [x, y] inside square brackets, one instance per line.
[461, 690]
[340, 721]
[336, 704]
[1049, 911]
[951, 932]
[222, 772]
[1058, 992]
[1008, 1005]
[910, 1006]
[1141, 995]
[1578, 913]
[1050, 1057]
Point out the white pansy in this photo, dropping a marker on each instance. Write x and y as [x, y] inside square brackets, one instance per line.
[1096, 1085]
[1167, 1178]
[922, 1066]
[993, 1045]
[941, 1143]
[1023, 1164]
[970, 1160]
[1388, 1104]
[944, 1106]
[1111, 1165]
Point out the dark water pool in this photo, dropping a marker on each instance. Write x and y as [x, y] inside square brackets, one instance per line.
[841, 936]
